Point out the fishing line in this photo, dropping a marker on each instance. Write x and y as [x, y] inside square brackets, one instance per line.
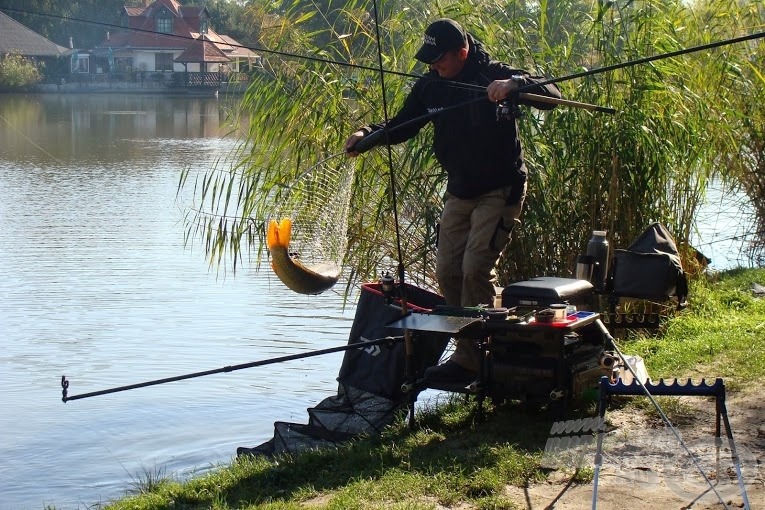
[591, 72]
[381, 71]
[54, 158]
[188, 38]
[741, 237]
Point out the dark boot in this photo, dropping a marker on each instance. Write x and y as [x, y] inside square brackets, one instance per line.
[449, 376]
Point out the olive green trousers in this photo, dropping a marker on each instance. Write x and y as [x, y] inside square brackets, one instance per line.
[471, 236]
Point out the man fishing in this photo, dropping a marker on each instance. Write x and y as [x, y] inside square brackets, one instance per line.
[482, 155]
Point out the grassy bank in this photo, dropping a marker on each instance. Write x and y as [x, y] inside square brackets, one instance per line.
[451, 461]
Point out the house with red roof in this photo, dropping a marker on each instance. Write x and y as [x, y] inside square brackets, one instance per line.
[164, 36]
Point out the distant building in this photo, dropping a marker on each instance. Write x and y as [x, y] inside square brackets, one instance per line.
[164, 36]
[17, 39]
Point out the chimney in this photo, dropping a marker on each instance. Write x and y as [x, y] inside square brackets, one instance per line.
[108, 35]
[71, 43]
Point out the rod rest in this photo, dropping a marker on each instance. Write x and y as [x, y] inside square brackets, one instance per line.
[631, 320]
[675, 388]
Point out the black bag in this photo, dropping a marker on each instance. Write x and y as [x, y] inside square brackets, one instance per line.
[381, 370]
[650, 268]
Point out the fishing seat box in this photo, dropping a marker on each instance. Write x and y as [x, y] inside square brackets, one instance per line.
[533, 362]
[543, 291]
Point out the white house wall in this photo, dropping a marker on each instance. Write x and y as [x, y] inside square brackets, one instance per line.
[144, 60]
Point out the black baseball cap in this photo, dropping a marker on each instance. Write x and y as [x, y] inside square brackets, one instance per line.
[441, 36]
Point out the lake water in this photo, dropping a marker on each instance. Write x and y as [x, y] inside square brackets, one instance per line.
[96, 284]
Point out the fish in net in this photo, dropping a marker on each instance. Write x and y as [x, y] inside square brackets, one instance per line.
[307, 233]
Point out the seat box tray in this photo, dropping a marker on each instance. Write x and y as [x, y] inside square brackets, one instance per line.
[546, 290]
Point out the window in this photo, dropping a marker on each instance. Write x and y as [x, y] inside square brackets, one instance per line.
[203, 26]
[83, 64]
[123, 63]
[165, 25]
[163, 61]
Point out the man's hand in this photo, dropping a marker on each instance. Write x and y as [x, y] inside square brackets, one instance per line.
[351, 142]
[500, 89]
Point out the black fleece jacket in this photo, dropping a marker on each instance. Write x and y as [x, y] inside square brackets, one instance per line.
[478, 152]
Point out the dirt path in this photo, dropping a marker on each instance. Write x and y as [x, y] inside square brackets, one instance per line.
[646, 468]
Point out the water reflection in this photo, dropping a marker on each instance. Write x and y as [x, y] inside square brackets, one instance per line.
[40, 128]
[97, 284]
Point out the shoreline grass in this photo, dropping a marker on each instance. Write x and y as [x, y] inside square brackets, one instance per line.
[452, 461]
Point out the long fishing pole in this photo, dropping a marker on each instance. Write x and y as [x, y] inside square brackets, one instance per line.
[583, 74]
[190, 38]
[408, 342]
[653, 58]
[374, 138]
[366, 344]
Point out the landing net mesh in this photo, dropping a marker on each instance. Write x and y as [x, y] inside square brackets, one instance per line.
[318, 205]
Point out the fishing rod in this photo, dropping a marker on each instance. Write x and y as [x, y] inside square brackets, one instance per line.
[504, 109]
[408, 342]
[365, 344]
[469, 86]
[190, 38]
[653, 58]
[583, 74]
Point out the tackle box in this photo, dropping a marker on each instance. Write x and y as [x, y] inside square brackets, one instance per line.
[546, 290]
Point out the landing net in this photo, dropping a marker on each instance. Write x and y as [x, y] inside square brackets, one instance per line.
[318, 205]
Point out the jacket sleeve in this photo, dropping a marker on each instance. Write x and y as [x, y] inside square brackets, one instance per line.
[408, 121]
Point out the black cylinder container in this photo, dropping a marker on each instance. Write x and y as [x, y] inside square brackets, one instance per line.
[597, 248]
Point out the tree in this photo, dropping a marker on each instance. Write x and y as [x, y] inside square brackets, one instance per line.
[58, 21]
[17, 72]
